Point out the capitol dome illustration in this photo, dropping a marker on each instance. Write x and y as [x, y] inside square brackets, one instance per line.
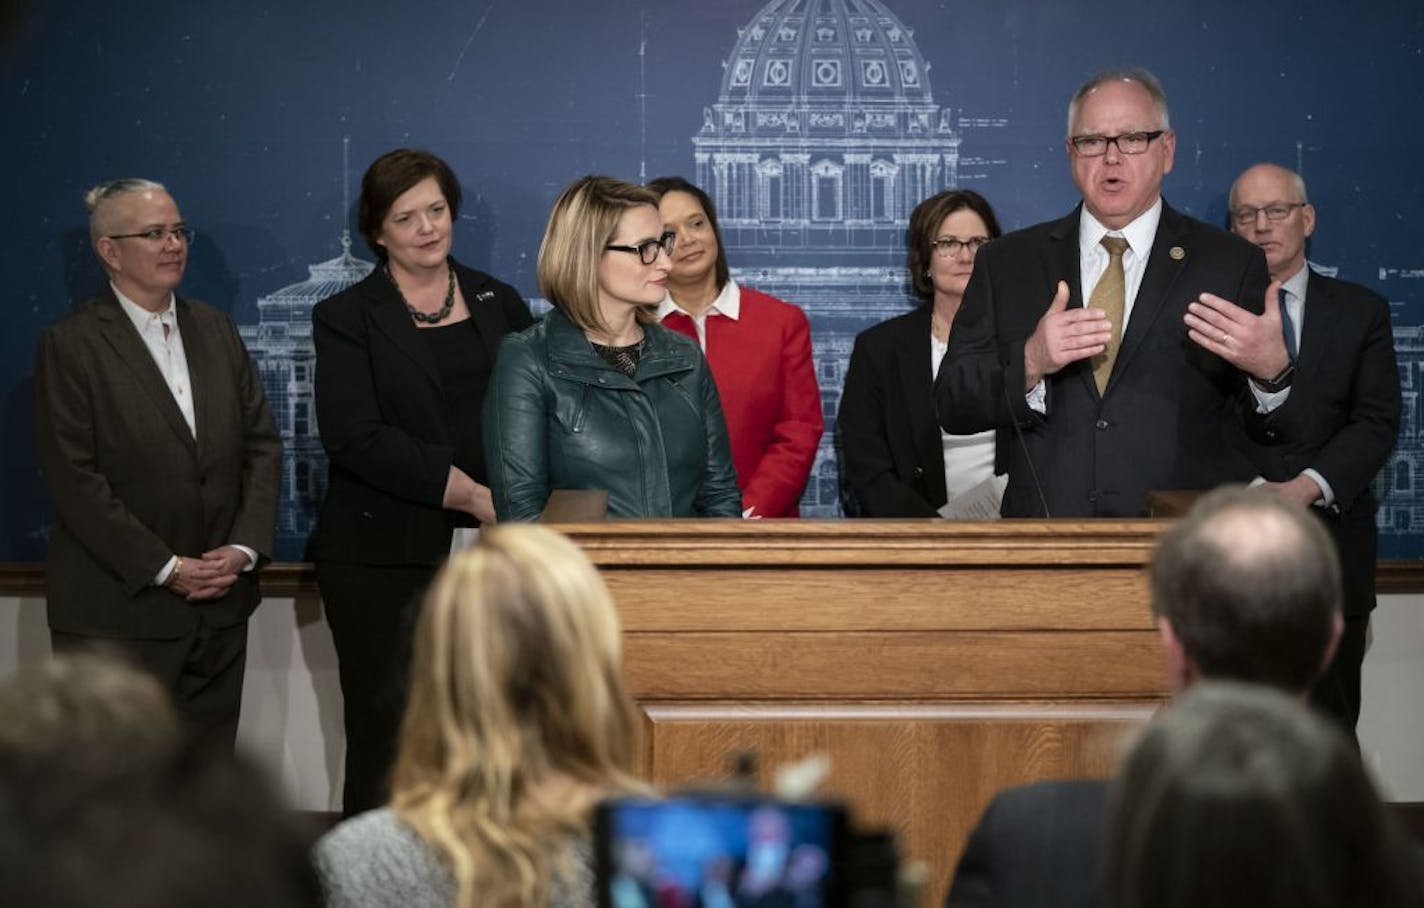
[281, 345]
[824, 136]
[825, 132]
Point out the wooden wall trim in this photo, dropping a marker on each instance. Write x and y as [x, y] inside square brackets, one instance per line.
[861, 543]
[1004, 711]
[864, 543]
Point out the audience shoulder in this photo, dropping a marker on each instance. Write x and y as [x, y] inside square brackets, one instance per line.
[375, 858]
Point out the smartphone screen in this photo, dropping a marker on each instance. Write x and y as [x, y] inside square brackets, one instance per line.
[717, 851]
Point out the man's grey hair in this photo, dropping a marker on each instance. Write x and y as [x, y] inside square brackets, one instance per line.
[95, 198]
[1142, 77]
[1296, 180]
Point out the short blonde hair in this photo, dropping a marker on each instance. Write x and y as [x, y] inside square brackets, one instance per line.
[101, 220]
[583, 221]
[516, 683]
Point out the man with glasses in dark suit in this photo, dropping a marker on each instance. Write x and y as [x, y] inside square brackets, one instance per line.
[1340, 414]
[1071, 343]
[161, 455]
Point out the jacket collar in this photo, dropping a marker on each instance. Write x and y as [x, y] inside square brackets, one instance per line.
[1318, 325]
[916, 388]
[664, 353]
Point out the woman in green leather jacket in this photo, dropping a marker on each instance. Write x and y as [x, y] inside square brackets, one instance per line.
[599, 395]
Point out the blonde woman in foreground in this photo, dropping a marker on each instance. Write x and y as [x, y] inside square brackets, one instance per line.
[517, 725]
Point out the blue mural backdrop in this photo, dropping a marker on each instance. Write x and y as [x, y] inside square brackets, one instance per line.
[816, 124]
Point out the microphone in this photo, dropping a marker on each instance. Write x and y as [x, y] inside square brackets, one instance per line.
[1023, 446]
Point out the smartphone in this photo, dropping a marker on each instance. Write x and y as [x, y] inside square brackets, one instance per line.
[718, 850]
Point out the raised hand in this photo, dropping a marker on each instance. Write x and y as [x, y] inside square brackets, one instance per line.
[1064, 336]
[1252, 343]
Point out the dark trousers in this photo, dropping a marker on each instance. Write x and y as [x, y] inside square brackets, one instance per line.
[371, 611]
[202, 671]
[1337, 693]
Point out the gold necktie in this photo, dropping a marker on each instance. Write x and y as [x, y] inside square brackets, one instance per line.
[1110, 296]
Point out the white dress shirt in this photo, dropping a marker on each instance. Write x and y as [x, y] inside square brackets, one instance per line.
[159, 331]
[968, 459]
[728, 303]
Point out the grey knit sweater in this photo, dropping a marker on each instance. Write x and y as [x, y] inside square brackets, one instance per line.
[374, 860]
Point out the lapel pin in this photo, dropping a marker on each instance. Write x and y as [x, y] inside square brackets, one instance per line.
[489, 294]
[1177, 253]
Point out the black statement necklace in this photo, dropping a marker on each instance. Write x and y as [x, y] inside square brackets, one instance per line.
[624, 359]
[429, 318]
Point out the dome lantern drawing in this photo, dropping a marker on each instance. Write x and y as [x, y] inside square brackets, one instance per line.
[281, 345]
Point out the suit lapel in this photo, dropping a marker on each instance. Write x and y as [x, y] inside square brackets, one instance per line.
[119, 332]
[1064, 263]
[390, 317]
[912, 348]
[1321, 312]
[1163, 269]
[485, 311]
[205, 371]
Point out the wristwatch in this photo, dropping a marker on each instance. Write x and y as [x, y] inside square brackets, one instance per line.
[1279, 383]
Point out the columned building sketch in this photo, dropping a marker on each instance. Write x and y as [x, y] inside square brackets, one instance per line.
[824, 137]
[1401, 510]
[281, 345]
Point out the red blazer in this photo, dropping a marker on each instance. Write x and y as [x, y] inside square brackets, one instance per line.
[761, 362]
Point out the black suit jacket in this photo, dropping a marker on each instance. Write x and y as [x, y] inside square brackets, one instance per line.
[1173, 416]
[1036, 846]
[891, 454]
[1341, 419]
[131, 485]
[382, 412]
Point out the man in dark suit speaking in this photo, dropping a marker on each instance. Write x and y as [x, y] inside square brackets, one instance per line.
[1071, 332]
[161, 456]
[1340, 416]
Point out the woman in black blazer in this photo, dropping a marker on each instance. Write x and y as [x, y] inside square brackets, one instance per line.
[403, 359]
[895, 462]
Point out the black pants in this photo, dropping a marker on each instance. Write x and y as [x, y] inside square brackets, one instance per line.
[202, 671]
[1337, 693]
[371, 610]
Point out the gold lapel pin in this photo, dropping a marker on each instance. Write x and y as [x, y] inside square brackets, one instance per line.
[1177, 253]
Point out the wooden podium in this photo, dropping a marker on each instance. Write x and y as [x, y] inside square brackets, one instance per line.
[933, 662]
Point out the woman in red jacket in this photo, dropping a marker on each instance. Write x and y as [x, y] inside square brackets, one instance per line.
[759, 348]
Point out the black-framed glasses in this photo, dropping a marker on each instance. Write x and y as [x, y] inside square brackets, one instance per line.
[648, 249]
[182, 233]
[947, 247]
[1276, 211]
[1094, 146]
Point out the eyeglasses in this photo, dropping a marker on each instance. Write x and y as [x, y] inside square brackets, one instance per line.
[1276, 211]
[648, 249]
[947, 247]
[182, 233]
[1127, 143]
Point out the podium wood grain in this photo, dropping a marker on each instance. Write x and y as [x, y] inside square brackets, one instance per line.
[933, 662]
